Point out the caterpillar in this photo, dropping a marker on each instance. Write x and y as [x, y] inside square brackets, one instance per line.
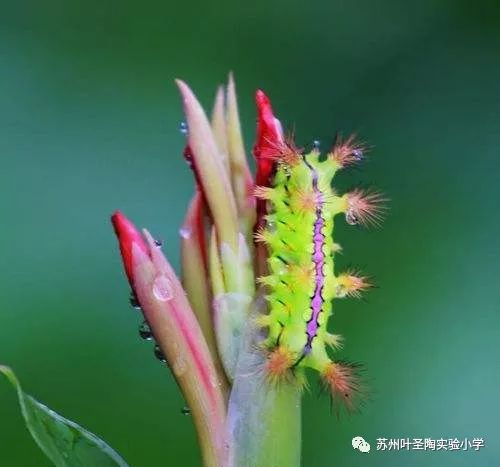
[301, 283]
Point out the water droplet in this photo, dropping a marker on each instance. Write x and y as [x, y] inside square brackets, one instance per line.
[158, 243]
[358, 154]
[316, 144]
[185, 232]
[134, 302]
[159, 354]
[186, 411]
[162, 288]
[184, 128]
[145, 331]
[351, 218]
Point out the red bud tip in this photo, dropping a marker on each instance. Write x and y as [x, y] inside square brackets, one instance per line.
[127, 236]
[269, 136]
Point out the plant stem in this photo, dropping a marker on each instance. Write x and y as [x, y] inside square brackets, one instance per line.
[281, 442]
[264, 418]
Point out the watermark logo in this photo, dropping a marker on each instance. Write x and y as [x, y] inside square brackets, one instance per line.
[360, 444]
[420, 444]
[429, 444]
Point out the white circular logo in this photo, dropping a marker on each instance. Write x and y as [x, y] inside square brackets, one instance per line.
[360, 444]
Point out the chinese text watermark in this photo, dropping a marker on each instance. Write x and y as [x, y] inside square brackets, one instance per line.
[429, 444]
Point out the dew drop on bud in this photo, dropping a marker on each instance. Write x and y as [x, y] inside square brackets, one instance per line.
[186, 411]
[145, 331]
[351, 218]
[316, 144]
[162, 288]
[183, 127]
[159, 354]
[134, 302]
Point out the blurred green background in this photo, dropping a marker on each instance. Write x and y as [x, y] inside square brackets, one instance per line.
[89, 122]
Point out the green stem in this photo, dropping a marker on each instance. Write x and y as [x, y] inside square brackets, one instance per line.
[264, 418]
[281, 442]
[265, 424]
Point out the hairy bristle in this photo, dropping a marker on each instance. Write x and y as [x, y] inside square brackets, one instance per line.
[262, 235]
[269, 280]
[347, 152]
[263, 192]
[342, 379]
[306, 201]
[365, 207]
[301, 274]
[283, 152]
[278, 365]
[352, 284]
[336, 341]
[336, 248]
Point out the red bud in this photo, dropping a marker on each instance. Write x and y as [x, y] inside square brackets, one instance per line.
[269, 137]
[127, 235]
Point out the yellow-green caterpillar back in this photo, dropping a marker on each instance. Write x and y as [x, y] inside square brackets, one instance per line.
[298, 231]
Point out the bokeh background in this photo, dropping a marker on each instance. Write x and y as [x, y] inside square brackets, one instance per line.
[89, 122]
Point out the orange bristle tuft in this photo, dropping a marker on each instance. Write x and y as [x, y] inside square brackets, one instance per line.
[343, 381]
[300, 274]
[278, 365]
[352, 284]
[305, 201]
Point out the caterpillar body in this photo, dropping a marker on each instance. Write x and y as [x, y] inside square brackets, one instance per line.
[301, 284]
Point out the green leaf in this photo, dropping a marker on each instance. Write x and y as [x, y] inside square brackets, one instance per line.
[64, 442]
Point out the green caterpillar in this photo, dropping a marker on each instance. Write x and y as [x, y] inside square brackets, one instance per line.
[301, 283]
